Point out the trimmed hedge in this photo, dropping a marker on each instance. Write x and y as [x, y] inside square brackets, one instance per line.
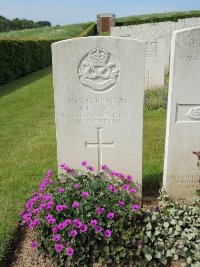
[157, 18]
[90, 31]
[20, 57]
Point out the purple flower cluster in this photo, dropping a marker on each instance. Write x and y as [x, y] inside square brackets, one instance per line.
[34, 223]
[108, 233]
[116, 174]
[90, 168]
[99, 210]
[135, 207]
[73, 233]
[60, 208]
[85, 164]
[85, 194]
[50, 219]
[76, 186]
[70, 251]
[127, 178]
[75, 204]
[49, 205]
[58, 247]
[47, 197]
[56, 238]
[98, 228]
[34, 244]
[93, 222]
[111, 215]
[46, 181]
[46, 208]
[61, 190]
[66, 168]
[121, 203]
[112, 188]
[61, 226]
[104, 167]
[125, 187]
[83, 228]
[77, 223]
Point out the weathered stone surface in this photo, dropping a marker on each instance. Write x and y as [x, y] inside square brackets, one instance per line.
[181, 174]
[156, 30]
[98, 83]
[155, 63]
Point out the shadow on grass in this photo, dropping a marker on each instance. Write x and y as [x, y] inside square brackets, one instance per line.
[23, 81]
[17, 238]
[152, 183]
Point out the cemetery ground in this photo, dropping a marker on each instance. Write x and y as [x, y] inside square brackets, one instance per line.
[56, 32]
[28, 145]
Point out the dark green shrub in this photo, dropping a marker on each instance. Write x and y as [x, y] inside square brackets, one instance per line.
[20, 57]
[155, 99]
[154, 18]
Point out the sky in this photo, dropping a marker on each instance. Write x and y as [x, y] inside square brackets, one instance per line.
[62, 12]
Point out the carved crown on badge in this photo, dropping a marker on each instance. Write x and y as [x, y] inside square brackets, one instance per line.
[98, 57]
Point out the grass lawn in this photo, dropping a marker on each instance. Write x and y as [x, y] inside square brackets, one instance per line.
[28, 145]
[159, 15]
[57, 32]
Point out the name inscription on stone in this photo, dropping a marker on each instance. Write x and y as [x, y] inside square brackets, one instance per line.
[185, 181]
[97, 110]
[195, 51]
[151, 49]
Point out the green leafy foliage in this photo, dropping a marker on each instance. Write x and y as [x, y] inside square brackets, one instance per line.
[20, 57]
[18, 24]
[172, 232]
[155, 99]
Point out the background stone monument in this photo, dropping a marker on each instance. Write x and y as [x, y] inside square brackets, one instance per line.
[105, 22]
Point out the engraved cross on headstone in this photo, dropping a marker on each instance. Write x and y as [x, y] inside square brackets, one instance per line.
[99, 145]
[148, 79]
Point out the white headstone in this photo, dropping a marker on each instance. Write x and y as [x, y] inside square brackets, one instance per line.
[181, 174]
[155, 63]
[98, 84]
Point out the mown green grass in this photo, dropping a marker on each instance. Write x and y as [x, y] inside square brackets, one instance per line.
[57, 32]
[159, 15]
[28, 145]
[104, 34]
[153, 145]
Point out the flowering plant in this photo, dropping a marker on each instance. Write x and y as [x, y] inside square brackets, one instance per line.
[82, 217]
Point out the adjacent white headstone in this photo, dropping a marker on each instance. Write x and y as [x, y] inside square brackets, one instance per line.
[155, 63]
[181, 174]
[98, 84]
